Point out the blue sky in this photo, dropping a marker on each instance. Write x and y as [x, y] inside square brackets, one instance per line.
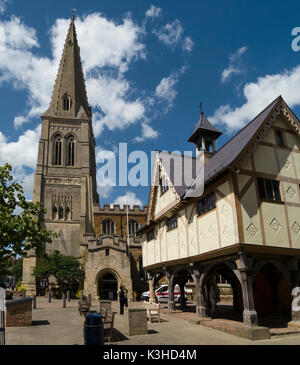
[147, 65]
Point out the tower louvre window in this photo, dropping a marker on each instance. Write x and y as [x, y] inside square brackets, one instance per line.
[133, 227]
[71, 151]
[57, 150]
[66, 103]
[108, 227]
[61, 213]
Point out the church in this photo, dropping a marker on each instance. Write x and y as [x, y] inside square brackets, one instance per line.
[65, 183]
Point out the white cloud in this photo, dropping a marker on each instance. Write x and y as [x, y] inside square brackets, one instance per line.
[153, 12]
[171, 33]
[147, 133]
[234, 65]
[23, 152]
[110, 95]
[128, 199]
[165, 90]
[187, 44]
[258, 95]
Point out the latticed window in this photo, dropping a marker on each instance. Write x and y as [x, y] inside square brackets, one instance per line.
[172, 223]
[207, 203]
[108, 227]
[269, 189]
[66, 103]
[164, 186]
[71, 151]
[133, 227]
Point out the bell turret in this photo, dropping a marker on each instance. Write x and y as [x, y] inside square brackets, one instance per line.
[205, 136]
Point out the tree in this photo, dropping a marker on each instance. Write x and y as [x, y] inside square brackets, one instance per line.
[66, 270]
[19, 233]
[17, 269]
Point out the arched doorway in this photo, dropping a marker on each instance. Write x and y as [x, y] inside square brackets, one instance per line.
[108, 287]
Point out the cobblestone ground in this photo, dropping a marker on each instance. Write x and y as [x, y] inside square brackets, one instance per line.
[54, 325]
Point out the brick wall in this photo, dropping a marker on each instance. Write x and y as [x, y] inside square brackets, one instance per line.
[19, 312]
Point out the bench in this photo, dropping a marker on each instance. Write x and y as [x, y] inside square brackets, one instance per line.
[108, 324]
[153, 310]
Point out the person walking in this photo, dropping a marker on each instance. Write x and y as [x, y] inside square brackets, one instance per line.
[122, 299]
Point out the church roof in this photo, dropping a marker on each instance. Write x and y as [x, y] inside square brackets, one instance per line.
[70, 82]
[204, 127]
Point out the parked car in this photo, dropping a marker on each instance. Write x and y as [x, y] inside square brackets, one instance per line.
[162, 295]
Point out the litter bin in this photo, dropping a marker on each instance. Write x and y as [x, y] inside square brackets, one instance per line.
[93, 331]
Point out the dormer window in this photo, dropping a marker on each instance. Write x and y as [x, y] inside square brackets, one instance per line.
[67, 103]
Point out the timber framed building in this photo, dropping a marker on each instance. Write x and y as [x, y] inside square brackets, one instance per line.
[246, 224]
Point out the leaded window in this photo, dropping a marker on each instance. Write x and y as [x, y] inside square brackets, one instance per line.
[207, 203]
[269, 189]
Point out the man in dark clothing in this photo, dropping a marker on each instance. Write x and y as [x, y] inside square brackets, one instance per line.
[122, 299]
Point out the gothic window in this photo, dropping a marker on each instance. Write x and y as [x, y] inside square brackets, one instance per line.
[54, 212]
[57, 142]
[68, 213]
[61, 213]
[108, 227]
[133, 227]
[71, 151]
[66, 103]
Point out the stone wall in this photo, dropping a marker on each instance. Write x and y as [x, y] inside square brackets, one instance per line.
[19, 312]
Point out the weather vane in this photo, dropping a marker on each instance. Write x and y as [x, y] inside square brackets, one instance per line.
[73, 13]
[200, 106]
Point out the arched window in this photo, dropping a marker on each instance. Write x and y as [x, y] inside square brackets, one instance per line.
[71, 151]
[67, 103]
[54, 212]
[68, 213]
[108, 227]
[57, 143]
[133, 227]
[61, 213]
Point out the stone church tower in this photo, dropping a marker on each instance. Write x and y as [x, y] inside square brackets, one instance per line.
[65, 177]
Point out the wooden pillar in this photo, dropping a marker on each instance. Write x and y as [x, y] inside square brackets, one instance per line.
[182, 295]
[171, 302]
[151, 287]
[249, 313]
[200, 302]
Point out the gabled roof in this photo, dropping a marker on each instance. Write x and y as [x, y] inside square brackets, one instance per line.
[231, 151]
[204, 127]
[70, 81]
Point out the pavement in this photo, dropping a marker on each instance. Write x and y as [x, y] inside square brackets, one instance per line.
[55, 325]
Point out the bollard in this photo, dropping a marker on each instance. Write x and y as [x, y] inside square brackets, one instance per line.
[49, 296]
[64, 300]
[34, 302]
[68, 295]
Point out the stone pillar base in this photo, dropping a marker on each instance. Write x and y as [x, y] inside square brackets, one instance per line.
[201, 311]
[250, 318]
[135, 321]
[30, 289]
[294, 324]
[171, 305]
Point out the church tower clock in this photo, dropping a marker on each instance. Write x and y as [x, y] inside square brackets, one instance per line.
[65, 177]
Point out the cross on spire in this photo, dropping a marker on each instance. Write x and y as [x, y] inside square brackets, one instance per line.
[73, 13]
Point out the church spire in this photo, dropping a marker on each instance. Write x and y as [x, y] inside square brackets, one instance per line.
[69, 97]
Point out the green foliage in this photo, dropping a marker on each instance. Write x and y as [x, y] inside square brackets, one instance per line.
[21, 232]
[17, 269]
[66, 270]
[20, 287]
